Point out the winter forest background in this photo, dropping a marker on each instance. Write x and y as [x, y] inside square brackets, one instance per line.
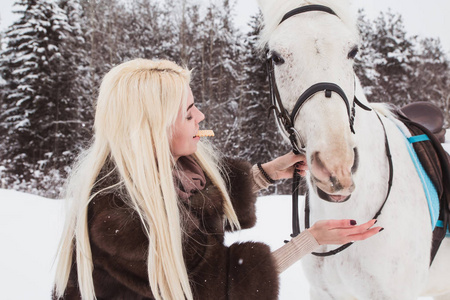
[52, 61]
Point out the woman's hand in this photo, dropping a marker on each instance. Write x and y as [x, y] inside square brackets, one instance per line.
[339, 232]
[283, 166]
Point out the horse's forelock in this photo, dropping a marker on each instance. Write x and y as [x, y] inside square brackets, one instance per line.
[275, 11]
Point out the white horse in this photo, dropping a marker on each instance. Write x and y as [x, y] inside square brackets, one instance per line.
[349, 170]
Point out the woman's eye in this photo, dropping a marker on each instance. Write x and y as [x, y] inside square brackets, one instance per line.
[277, 59]
[352, 53]
[189, 118]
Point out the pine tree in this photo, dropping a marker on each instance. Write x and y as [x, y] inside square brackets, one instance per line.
[393, 59]
[143, 33]
[365, 67]
[38, 111]
[262, 140]
[219, 72]
[431, 80]
[103, 23]
[399, 69]
[77, 80]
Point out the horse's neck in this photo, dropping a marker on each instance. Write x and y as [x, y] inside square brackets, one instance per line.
[370, 138]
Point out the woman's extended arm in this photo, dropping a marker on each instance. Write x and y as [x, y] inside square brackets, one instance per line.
[333, 232]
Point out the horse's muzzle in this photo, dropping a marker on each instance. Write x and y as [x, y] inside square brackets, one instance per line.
[332, 176]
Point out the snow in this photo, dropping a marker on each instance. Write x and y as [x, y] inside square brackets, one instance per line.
[29, 230]
[30, 227]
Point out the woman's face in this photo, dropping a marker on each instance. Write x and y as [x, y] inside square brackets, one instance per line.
[184, 142]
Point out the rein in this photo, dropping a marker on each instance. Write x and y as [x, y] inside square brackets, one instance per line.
[285, 122]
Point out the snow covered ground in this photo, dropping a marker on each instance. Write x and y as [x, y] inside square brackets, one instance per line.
[30, 227]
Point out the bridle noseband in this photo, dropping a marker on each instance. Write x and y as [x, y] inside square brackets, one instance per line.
[286, 123]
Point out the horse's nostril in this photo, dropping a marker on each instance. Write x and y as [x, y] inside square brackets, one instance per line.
[319, 166]
[315, 158]
[335, 184]
[355, 160]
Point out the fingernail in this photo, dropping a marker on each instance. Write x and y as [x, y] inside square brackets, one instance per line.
[352, 222]
[381, 229]
[375, 222]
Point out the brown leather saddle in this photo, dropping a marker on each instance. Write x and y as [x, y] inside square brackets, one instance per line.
[427, 115]
[425, 118]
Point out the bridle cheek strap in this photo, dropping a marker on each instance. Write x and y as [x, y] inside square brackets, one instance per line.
[281, 115]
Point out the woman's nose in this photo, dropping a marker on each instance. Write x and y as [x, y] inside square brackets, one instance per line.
[201, 117]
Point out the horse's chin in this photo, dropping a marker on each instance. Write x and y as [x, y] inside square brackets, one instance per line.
[331, 198]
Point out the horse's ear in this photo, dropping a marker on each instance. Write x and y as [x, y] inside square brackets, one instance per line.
[264, 5]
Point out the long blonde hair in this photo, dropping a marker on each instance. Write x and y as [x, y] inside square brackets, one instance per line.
[137, 106]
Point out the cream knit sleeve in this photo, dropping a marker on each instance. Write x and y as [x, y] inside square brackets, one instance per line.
[294, 250]
[259, 181]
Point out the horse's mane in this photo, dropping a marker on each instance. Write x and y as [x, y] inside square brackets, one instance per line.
[385, 109]
[278, 9]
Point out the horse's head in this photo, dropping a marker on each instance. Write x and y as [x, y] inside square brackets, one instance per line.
[307, 48]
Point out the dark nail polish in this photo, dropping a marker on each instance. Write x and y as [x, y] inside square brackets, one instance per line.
[352, 222]
[381, 230]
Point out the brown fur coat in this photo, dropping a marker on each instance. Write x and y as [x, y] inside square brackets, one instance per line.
[119, 248]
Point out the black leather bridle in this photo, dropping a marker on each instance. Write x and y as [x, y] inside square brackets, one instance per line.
[286, 124]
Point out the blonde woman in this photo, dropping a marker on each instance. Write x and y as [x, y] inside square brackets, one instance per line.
[149, 202]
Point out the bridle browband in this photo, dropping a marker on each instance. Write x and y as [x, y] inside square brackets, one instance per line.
[307, 8]
[286, 123]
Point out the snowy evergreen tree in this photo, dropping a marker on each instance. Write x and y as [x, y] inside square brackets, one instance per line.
[38, 109]
[78, 79]
[365, 59]
[431, 80]
[261, 139]
[143, 33]
[219, 73]
[179, 23]
[103, 23]
[399, 69]
[393, 59]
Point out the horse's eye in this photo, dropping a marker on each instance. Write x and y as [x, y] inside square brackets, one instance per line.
[352, 53]
[277, 59]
